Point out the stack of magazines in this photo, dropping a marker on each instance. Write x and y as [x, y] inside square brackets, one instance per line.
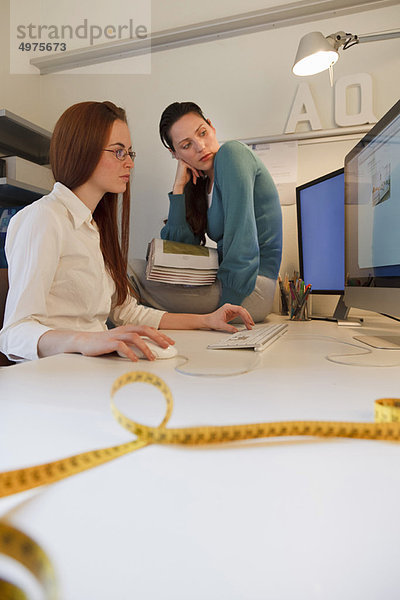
[182, 264]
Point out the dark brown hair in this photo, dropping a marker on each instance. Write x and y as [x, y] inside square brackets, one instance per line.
[76, 145]
[195, 194]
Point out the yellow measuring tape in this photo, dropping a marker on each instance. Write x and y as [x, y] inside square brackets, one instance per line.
[385, 427]
[19, 546]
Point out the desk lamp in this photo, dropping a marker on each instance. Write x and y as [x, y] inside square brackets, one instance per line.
[317, 53]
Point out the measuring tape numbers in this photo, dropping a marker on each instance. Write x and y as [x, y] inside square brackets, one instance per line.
[15, 544]
[18, 545]
[386, 427]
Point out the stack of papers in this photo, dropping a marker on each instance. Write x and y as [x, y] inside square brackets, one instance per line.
[182, 264]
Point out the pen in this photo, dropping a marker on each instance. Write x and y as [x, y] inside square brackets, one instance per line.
[304, 302]
[285, 308]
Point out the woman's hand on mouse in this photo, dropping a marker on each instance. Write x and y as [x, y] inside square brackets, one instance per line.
[121, 339]
[89, 343]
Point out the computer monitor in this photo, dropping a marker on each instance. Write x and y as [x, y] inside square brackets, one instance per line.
[372, 202]
[320, 226]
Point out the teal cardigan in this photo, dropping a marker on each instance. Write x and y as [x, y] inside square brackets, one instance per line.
[244, 219]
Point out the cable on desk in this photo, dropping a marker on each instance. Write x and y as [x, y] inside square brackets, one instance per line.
[343, 359]
[201, 365]
[208, 365]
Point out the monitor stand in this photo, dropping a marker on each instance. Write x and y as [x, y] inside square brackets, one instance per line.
[381, 342]
[340, 315]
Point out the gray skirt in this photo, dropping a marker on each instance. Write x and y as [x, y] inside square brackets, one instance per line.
[199, 299]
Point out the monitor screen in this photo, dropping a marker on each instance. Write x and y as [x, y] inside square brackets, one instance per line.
[320, 225]
[372, 198]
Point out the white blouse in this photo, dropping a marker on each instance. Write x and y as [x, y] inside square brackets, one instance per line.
[57, 276]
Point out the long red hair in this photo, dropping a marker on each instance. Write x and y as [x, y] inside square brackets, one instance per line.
[76, 145]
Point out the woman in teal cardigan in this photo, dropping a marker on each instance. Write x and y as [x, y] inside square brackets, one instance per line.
[227, 193]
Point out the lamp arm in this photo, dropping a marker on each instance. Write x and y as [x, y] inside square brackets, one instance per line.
[375, 37]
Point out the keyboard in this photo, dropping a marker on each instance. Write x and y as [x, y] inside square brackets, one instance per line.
[257, 339]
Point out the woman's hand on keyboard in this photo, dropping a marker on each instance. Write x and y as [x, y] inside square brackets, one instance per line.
[220, 318]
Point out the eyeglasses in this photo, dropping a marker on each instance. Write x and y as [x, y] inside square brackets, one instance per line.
[121, 153]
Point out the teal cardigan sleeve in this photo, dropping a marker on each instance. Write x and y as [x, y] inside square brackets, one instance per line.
[177, 228]
[236, 183]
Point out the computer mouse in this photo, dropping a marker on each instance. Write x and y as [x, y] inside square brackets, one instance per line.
[159, 353]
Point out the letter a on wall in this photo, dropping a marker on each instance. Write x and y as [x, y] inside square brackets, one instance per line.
[303, 109]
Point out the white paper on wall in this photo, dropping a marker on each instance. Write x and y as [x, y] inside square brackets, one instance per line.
[280, 158]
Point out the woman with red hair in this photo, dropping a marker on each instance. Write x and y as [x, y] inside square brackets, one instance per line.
[67, 252]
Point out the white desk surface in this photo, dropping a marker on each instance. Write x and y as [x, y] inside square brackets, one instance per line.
[279, 519]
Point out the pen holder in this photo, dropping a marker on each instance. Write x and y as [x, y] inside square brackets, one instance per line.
[300, 308]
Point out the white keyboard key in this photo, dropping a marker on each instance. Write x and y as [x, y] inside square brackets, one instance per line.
[257, 339]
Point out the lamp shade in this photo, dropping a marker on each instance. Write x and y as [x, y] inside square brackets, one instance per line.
[315, 54]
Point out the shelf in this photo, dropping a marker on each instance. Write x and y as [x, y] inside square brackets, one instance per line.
[17, 193]
[19, 137]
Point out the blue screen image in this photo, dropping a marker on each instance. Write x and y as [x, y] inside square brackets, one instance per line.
[320, 206]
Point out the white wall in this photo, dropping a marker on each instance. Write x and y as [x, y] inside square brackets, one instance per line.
[18, 93]
[243, 84]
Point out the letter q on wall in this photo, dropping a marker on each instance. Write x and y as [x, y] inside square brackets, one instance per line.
[365, 114]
